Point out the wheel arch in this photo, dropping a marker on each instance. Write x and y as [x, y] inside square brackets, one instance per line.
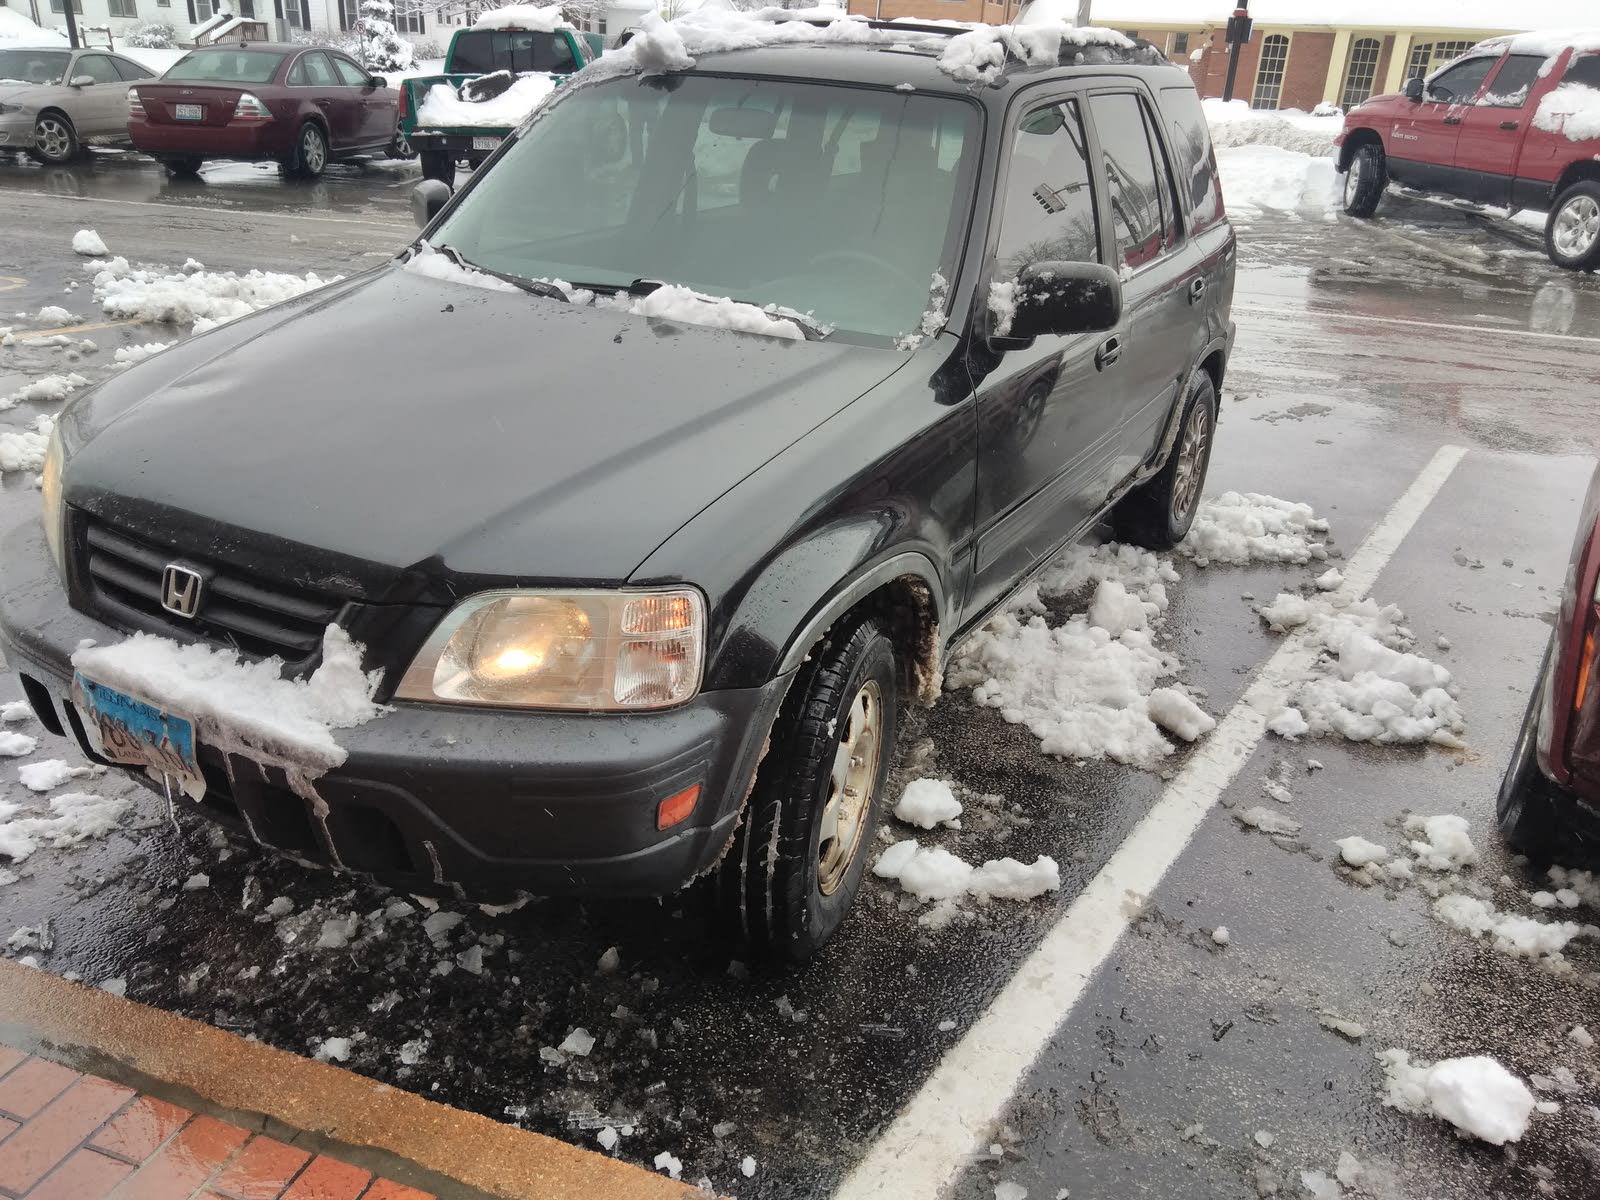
[1354, 140]
[1583, 169]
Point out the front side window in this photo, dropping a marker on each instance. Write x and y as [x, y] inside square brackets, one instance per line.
[1460, 83]
[225, 66]
[1269, 72]
[349, 74]
[97, 67]
[33, 66]
[836, 201]
[1132, 185]
[1514, 81]
[1047, 211]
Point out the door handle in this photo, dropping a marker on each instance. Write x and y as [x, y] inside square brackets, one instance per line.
[1197, 289]
[1452, 120]
[1110, 350]
[1509, 125]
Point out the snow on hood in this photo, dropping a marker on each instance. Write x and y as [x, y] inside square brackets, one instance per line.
[976, 54]
[248, 708]
[443, 106]
[524, 16]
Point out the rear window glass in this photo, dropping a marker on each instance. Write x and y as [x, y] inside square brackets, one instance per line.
[1196, 166]
[1585, 70]
[225, 66]
[483, 50]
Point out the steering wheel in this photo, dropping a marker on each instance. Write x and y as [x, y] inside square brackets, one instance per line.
[871, 260]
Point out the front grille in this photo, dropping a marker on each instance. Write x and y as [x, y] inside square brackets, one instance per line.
[123, 575]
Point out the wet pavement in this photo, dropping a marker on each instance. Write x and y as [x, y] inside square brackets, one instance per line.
[1362, 349]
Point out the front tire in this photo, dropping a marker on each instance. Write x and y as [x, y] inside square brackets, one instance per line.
[798, 856]
[438, 164]
[1572, 230]
[310, 152]
[1157, 514]
[1365, 180]
[55, 141]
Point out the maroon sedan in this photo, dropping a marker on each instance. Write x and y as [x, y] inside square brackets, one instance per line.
[301, 106]
[1550, 797]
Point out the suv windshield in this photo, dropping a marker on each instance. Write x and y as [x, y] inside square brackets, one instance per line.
[480, 51]
[837, 201]
[225, 66]
[32, 66]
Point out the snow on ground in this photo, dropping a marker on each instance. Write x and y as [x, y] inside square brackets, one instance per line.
[24, 450]
[246, 708]
[89, 244]
[1235, 123]
[1274, 161]
[1477, 1095]
[74, 817]
[1237, 529]
[51, 773]
[127, 356]
[443, 107]
[933, 873]
[927, 803]
[50, 388]
[192, 295]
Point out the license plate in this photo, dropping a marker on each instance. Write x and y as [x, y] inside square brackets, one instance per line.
[485, 143]
[189, 112]
[129, 730]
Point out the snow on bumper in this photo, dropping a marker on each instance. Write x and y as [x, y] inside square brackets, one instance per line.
[438, 798]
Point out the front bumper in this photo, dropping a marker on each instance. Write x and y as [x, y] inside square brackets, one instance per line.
[440, 799]
[16, 131]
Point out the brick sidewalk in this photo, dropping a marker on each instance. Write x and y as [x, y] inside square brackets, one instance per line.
[66, 1136]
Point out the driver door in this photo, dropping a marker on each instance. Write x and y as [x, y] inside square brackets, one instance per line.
[1423, 150]
[98, 109]
[378, 111]
[1048, 411]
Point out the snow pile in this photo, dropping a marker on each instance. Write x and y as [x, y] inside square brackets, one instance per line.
[1235, 123]
[431, 263]
[1003, 306]
[126, 356]
[443, 106]
[1358, 852]
[50, 774]
[24, 450]
[1086, 688]
[13, 711]
[1510, 933]
[75, 817]
[933, 873]
[205, 298]
[1258, 179]
[247, 708]
[524, 16]
[1477, 1095]
[1445, 844]
[1572, 110]
[927, 803]
[1241, 528]
[673, 303]
[980, 54]
[54, 315]
[16, 745]
[1365, 685]
[89, 244]
[48, 389]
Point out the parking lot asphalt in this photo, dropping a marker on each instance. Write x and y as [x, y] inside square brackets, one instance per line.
[1158, 1061]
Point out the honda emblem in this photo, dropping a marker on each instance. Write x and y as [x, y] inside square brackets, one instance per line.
[180, 590]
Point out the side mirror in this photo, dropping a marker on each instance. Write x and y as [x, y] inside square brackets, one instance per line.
[427, 198]
[377, 81]
[1056, 299]
[1414, 89]
[80, 81]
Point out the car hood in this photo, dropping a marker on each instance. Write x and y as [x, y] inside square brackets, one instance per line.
[18, 93]
[420, 429]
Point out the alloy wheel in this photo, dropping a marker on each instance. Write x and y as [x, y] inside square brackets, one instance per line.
[1191, 461]
[1352, 179]
[850, 787]
[312, 151]
[53, 138]
[1577, 227]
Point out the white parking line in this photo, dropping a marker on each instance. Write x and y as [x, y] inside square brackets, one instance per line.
[925, 1148]
[1499, 330]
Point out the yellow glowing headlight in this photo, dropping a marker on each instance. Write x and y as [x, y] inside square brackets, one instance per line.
[588, 650]
[54, 511]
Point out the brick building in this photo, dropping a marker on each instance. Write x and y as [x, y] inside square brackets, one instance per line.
[1303, 52]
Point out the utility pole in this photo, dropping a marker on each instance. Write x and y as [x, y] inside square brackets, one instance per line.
[72, 23]
[1083, 12]
[1239, 28]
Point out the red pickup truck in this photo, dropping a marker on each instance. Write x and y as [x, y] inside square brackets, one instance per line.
[1515, 122]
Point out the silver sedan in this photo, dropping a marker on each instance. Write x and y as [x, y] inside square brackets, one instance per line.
[54, 102]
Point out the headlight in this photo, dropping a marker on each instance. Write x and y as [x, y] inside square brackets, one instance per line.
[590, 650]
[54, 511]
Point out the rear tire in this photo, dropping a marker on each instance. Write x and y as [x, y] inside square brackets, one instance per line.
[438, 164]
[1572, 230]
[55, 141]
[1157, 514]
[1525, 810]
[310, 152]
[400, 145]
[184, 164]
[1365, 180]
[809, 826]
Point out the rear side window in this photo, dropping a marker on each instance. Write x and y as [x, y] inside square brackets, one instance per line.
[225, 66]
[1196, 165]
[1584, 70]
[1048, 210]
[131, 70]
[1132, 186]
[1515, 80]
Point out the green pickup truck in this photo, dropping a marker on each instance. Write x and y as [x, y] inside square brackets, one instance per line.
[494, 73]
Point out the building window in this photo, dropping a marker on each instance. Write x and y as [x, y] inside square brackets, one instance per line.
[1421, 57]
[1444, 52]
[349, 14]
[1269, 72]
[1359, 74]
[1180, 43]
[247, 8]
[56, 6]
[123, 8]
[408, 16]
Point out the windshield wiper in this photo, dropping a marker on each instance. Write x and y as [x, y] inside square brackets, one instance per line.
[537, 287]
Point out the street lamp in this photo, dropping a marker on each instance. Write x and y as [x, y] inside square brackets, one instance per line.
[1239, 27]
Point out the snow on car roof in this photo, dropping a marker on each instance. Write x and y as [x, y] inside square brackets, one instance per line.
[1490, 16]
[1548, 42]
[524, 17]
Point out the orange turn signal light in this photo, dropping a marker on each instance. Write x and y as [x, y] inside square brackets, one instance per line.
[675, 808]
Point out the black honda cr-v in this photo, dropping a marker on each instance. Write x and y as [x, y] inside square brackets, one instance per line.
[734, 391]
